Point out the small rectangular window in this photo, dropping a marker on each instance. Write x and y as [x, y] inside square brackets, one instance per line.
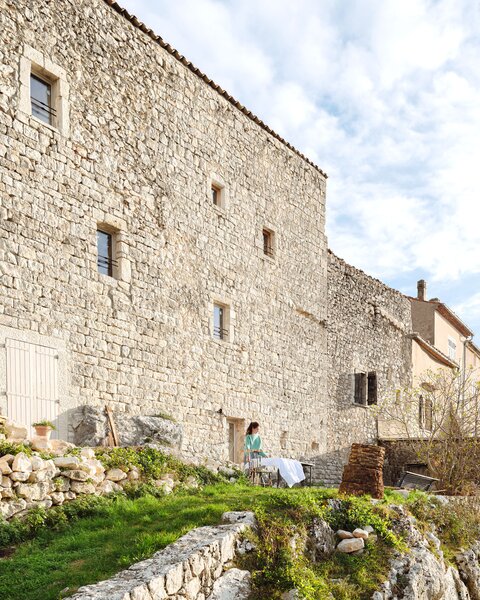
[41, 99]
[105, 260]
[360, 388]
[220, 331]
[267, 242]
[452, 348]
[216, 194]
[372, 388]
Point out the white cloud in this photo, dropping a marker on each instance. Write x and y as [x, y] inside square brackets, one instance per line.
[383, 95]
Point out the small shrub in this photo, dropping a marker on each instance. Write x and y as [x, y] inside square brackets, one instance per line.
[44, 423]
[14, 448]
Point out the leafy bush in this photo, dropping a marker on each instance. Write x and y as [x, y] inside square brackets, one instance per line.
[457, 524]
[153, 463]
[14, 448]
[358, 511]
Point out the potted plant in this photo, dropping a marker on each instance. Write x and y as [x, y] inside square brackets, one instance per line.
[43, 428]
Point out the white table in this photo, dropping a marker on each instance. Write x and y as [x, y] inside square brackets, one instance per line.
[291, 470]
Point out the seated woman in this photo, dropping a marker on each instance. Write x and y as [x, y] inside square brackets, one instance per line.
[253, 443]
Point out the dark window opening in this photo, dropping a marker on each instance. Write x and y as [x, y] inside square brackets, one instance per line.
[372, 388]
[41, 99]
[267, 242]
[360, 388]
[216, 195]
[219, 330]
[105, 259]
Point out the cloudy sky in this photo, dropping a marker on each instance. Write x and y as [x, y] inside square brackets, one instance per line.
[384, 95]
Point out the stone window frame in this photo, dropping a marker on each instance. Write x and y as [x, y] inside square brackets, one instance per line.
[33, 62]
[218, 183]
[267, 227]
[229, 319]
[120, 247]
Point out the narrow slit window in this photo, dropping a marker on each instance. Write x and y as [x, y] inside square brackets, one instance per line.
[41, 99]
[216, 195]
[105, 260]
[268, 242]
[220, 331]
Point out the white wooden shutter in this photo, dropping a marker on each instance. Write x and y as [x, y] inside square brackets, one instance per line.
[32, 382]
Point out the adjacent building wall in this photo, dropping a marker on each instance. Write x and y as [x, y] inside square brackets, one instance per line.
[367, 331]
[140, 141]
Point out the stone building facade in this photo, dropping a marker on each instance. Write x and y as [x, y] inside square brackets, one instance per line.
[137, 143]
[369, 358]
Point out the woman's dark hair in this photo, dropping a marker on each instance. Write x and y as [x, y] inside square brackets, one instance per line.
[253, 425]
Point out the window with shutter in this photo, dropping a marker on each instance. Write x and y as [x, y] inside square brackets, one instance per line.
[372, 388]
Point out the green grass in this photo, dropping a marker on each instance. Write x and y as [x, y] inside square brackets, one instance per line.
[94, 548]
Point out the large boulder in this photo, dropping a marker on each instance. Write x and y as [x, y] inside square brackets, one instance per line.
[321, 540]
[136, 430]
[469, 567]
[233, 585]
[90, 427]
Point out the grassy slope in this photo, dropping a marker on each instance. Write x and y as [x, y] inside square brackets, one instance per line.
[94, 548]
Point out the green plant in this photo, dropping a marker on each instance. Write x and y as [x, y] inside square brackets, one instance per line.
[44, 423]
[14, 448]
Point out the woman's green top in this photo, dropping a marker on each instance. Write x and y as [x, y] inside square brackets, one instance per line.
[253, 446]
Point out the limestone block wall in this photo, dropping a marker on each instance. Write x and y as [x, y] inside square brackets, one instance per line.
[142, 137]
[367, 329]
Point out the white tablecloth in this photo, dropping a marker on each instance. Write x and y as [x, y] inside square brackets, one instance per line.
[291, 470]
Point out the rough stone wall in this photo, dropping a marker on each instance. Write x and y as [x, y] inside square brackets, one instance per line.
[367, 330]
[190, 568]
[146, 137]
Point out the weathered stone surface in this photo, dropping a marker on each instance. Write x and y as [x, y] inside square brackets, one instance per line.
[115, 475]
[350, 545]
[16, 432]
[32, 491]
[469, 567]
[37, 463]
[235, 584]
[22, 463]
[57, 497]
[66, 462]
[8, 509]
[245, 517]
[321, 540]
[75, 474]
[90, 426]
[5, 467]
[82, 487]
[360, 533]
[20, 476]
[344, 535]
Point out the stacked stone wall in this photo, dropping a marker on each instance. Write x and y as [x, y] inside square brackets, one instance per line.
[146, 138]
[367, 331]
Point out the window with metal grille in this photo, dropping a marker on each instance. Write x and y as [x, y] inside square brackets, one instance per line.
[105, 260]
[220, 330]
[372, 388]
[41, 99]
[267, 242]
[360, 388]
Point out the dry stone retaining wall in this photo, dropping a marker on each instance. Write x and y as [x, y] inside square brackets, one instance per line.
[28, 482]
[190, 569]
